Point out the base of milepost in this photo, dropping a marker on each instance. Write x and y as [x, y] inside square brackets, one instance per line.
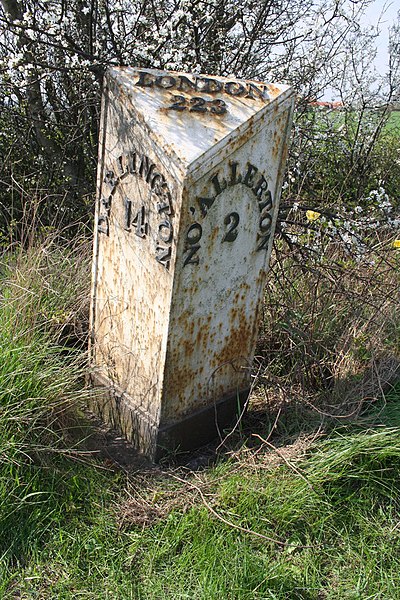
[158, 441]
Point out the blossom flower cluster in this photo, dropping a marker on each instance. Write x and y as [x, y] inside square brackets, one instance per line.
[352, 229]
[59, 51]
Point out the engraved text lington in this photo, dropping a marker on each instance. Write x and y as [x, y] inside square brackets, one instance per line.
[134, 163]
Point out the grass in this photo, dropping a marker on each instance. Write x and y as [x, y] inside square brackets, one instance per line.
[335, 515]
[394, 121]
[304, 518]
[39, 382]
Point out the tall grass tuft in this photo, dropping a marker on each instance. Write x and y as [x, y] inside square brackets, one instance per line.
[42, 292]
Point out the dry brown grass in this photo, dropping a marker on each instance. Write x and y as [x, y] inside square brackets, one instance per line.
[330, 336]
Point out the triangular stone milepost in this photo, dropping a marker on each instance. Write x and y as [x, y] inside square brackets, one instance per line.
[189, 179]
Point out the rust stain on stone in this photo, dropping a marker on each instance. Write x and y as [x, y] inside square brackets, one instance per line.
[183, 246]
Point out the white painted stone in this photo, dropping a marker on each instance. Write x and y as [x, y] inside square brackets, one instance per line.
[189, 179]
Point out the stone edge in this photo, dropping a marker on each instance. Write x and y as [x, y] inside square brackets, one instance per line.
[201, 427]
[189, 433]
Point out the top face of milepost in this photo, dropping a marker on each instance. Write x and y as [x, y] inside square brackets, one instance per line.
[226, 109]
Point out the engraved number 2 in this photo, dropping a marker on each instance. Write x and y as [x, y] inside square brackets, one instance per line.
[179, 102]
[198, 105]
[232, 220]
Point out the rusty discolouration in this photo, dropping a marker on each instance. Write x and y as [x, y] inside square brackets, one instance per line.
[186, 207]
[273, 90]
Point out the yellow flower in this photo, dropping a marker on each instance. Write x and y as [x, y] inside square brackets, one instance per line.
[312, 215]
[396, 244]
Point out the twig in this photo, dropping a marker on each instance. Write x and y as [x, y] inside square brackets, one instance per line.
[271, 430]
[274, 426]
[289, 464]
